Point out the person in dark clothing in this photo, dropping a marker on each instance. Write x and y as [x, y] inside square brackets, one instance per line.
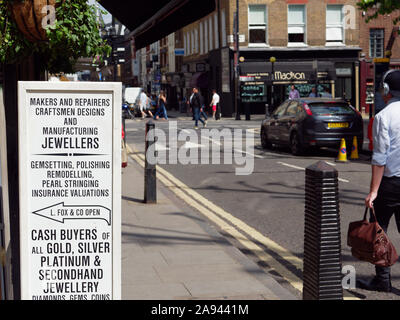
[195, 104]
[203, 109]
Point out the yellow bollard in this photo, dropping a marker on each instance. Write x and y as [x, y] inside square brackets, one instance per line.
[354, 150]
[342, 157]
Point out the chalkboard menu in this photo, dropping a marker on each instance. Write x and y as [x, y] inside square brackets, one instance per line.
[254, 92]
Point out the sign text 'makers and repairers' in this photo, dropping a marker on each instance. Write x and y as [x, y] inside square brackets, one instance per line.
[61, 137]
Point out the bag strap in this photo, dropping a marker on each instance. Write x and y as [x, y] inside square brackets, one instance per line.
[372, 213]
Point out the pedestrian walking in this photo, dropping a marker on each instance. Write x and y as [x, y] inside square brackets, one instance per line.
[203, 109]
[143, 103]
[161, 109]
[148, 106]
[195, 104]
[190, 105]
[215, 105]
[384, 193]
[294, 93]
[124, 153]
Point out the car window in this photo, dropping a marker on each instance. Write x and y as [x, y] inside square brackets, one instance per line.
[292, 110]
[328, 109]
[281, 109]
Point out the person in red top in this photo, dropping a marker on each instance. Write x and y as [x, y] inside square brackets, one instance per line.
[123, 154]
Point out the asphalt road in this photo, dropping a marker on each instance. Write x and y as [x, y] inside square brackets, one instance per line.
[271, 198]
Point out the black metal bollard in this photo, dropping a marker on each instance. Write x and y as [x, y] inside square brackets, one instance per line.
[322, 267]
[150, 182]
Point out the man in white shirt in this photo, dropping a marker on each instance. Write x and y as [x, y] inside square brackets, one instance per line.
[215, 104]
[384, 193]
[143, 103]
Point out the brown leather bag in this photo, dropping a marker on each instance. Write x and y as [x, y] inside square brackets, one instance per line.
[369, 242]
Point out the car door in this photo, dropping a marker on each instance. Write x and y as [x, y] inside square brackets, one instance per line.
[287, 121]
[273, 128]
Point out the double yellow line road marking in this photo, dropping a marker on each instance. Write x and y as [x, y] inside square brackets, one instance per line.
[220, 217]
[231, 225]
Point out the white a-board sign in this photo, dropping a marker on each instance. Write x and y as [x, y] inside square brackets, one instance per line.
[70, 190]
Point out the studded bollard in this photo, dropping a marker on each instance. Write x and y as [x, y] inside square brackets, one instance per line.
[150, 185]
[322, 266]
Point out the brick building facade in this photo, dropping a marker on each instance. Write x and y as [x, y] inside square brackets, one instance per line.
[380, 44]
[376, 34]
[315, 40]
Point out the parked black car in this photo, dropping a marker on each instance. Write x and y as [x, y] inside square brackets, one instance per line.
[312, 122]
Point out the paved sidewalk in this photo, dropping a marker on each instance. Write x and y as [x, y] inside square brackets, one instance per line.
[171, 252]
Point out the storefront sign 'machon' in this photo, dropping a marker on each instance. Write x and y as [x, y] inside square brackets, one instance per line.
[288, 76]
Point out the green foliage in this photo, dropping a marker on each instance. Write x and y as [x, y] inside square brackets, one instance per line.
[74, 34]
[374, 8]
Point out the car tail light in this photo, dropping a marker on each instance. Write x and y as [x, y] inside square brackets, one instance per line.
[307, 108]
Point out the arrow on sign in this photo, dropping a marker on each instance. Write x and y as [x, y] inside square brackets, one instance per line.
[60, 212]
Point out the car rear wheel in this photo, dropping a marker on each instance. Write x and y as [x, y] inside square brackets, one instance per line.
[266, 144]
[295, 145]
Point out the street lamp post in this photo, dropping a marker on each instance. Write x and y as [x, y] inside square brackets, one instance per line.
[237, 84]
[272, 60]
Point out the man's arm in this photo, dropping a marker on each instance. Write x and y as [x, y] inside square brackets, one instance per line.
[377, 174]
[379, 157]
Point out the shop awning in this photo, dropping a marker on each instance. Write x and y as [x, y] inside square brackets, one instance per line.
[152, 20]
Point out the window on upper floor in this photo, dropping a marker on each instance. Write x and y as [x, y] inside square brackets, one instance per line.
[376, 43]
[334, 24]
[257, 24]
[296, 24]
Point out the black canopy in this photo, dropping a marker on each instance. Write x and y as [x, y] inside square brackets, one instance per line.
[150, 20]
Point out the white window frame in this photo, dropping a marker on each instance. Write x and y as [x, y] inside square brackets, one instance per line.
[188, 43]
[255, 27]
[335, 43]
[196, 40]
[192, 47]
[216, 31]
[210, 33]
[223, 28]
[201, 38]
[302, 25]
[185, 44]
[373, 54]
[205, 36]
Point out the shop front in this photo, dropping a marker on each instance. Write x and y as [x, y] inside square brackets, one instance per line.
[265, 85]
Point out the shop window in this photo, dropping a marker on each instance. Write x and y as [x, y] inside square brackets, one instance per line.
[257, 24]
[296, 24]
[376, 43]
[334, 24]
[253, 93]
